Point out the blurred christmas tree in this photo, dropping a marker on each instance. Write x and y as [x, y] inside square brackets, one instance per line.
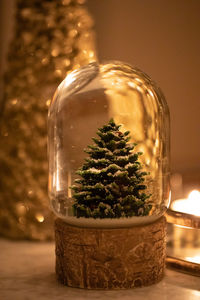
[50, 39]
[112, 181]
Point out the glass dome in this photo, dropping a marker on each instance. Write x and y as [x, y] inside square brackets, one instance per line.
[85, 101]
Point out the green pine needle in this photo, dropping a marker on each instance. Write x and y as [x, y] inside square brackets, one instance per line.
[111, 183]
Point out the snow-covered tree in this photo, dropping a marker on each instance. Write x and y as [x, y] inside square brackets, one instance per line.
[111, 183]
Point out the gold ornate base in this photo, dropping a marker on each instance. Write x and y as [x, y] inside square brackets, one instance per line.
[110, 258]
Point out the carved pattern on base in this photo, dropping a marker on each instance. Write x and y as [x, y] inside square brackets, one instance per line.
[110, 258]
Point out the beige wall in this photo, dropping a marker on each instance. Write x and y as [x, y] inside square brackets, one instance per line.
[6, 28]
[161, 37]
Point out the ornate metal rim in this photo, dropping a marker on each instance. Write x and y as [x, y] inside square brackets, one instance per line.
[182, 219]
[183, 266]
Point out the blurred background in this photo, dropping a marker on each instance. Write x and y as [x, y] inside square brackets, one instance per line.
[160, 37]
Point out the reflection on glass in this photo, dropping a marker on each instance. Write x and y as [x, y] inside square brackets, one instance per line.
[88, 98]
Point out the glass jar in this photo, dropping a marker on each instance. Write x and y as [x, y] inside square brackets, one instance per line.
[86, 100]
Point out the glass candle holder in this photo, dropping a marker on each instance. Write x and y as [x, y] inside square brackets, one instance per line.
[183, 242]
[86, 100]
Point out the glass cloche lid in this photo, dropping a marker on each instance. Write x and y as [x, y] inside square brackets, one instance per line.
[108, 147]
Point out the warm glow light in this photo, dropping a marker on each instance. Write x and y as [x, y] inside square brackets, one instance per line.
[191, 205]
[194, 195]
[91, 54]
[170, 196]
[69, 79]
[14, 101]
[39, 217]
[48, 102]
[195, 293]
[58, 72]
[194, 259]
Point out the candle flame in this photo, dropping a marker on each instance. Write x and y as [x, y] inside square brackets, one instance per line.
[194, 195]
[191, 205]
[194, 259]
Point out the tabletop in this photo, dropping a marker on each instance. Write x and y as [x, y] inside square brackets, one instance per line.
[27, 273]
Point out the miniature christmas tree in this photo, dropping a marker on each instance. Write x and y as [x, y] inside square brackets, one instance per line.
[111, 182]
